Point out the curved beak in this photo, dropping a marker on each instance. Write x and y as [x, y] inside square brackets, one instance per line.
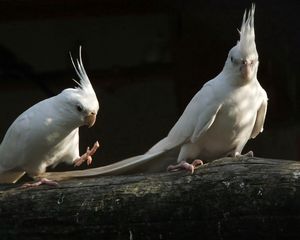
[246, 69]
[90, 119]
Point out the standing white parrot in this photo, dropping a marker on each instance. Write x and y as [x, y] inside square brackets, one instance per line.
[220, 119]
[47, 133]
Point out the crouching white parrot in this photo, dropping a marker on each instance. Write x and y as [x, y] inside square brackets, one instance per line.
[48, 132]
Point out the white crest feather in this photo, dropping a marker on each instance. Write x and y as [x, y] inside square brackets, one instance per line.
[84, 83]
[247, 35]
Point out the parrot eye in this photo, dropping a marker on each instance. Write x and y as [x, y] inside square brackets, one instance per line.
[254, 61]
[232, 59]
[79, 108]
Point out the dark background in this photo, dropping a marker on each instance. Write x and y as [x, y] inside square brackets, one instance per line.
[146, 59]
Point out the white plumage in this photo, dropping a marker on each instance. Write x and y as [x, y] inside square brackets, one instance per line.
[47, 133]
[227, 111]
[220, 119]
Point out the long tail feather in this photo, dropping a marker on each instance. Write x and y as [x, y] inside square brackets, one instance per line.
[135, 164]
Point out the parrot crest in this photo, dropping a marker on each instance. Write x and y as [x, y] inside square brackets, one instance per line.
[84, 93]
[247, 44]
[84, 84]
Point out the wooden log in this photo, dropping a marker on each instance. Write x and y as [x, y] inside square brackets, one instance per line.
[250, 198]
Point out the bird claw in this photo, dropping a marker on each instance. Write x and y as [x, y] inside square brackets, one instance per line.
[183, 165]
[248, 154]
[42, 181]
[87, 156]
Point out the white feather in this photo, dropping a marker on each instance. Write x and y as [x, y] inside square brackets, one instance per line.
[219, 120]
[84, 83]
[47, 133]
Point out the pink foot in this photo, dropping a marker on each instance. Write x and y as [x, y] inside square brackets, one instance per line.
[87, 156]
[40, 182]
[183, 165]
[248, 154]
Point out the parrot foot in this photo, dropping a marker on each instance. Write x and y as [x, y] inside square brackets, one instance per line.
[87, 156]
[239, 155]
[183, 165]
[42, 181]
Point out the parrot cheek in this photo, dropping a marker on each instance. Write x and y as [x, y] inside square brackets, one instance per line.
[90, 120]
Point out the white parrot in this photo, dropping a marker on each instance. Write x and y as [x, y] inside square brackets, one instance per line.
[47, 133]
[220, 119]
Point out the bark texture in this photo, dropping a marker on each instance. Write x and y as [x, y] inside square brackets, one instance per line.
[249, 198]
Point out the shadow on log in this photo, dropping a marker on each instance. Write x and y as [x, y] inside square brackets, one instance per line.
[251, 198]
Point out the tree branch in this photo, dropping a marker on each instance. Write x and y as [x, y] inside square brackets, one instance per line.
[250, 198]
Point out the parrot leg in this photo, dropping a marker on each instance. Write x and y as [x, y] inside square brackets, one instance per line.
[183, 165]
[43, 181]
[87, 156]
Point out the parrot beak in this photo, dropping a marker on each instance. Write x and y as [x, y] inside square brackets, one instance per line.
[246, 70]
[90, 119]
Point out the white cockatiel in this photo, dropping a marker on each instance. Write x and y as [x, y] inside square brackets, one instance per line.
[47, 133]
[220, 119]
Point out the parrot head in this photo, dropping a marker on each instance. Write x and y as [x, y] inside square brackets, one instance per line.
[243, 57]
[81, 102]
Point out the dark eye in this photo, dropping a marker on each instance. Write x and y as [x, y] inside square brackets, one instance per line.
[231, 58]
[79, 108]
